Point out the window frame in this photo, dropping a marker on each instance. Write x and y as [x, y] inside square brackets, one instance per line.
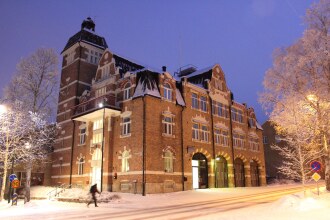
[127, 91]
[81, 166]
[194, 101]
[168, 91]
[168, 161]
[126, 126]
[203, 103]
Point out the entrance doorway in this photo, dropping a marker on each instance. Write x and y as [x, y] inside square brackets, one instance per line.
[239, 173]
[96, 168]
[199, 171]
[254, 173]
[221, 172]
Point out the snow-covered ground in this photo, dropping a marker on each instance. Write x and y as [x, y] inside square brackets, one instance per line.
[295, 206]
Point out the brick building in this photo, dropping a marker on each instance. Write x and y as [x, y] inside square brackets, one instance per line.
[133, 129]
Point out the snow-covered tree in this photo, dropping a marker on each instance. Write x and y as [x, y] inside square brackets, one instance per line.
[35, 83]
[298, 148]
[302, 71]
[35, 86]
[24, 137]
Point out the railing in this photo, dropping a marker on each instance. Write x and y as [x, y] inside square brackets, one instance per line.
[95, 103]
[55, 192]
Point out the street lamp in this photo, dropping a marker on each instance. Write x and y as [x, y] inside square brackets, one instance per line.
[101, 105]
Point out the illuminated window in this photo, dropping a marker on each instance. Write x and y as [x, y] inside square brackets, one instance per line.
[81, 166]
[98, 124]
[168, 161]
[124, 161]
[100, 92]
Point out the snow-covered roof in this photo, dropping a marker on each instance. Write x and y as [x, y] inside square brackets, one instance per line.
[146, 69]
[198, 72]
[146, 86]
[179, 98]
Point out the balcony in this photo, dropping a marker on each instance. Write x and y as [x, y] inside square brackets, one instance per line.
[96, 108]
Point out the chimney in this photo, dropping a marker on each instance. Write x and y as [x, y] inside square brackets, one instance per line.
[164, 68]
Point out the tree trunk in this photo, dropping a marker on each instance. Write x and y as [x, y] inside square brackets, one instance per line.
[327, 171]
[28, 181]
[5, 169]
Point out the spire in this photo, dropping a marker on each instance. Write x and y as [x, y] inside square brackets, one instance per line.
[88, 24]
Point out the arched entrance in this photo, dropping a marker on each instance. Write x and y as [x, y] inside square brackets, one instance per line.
[254, 173]
[221, 172]
[239, 173]
[199, 171]
[96, 167]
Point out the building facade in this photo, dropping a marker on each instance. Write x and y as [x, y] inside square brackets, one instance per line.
[130, 128]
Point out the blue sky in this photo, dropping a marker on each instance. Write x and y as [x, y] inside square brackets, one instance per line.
[240, 35]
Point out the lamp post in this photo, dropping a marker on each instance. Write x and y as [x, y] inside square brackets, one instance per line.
[101, 105]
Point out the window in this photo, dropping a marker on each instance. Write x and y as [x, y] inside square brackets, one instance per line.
[239, 141]
[265, 139]
[168, 125]
[126, 126]
[127, 93]
[168, 161]
[217, 133]
[124, 161]
[82, 136]
[224, 138]
[97, 131]
[220, 109]
[98, 124]
[94, 57]
[203, 104]
[195, 131]
[237, 115]
[97, 138]
[81, 166]
[204, 134]
[252, 122]
[254, 145]
[167, 91]
[105, 72]
[194, 101]
[100, 92]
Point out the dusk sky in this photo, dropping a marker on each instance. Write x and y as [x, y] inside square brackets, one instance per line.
[240, 35]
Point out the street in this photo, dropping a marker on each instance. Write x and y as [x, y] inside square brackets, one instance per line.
[199, 204]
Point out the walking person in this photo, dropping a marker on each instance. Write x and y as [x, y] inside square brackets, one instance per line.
[93, 190]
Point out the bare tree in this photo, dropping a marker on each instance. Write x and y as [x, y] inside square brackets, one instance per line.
[35, 83]
[302, 71]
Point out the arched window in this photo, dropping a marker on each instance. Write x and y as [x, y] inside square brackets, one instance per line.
[167, 91]
[168, 161]
[127, 93]
[81, 166]
[124, 161]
